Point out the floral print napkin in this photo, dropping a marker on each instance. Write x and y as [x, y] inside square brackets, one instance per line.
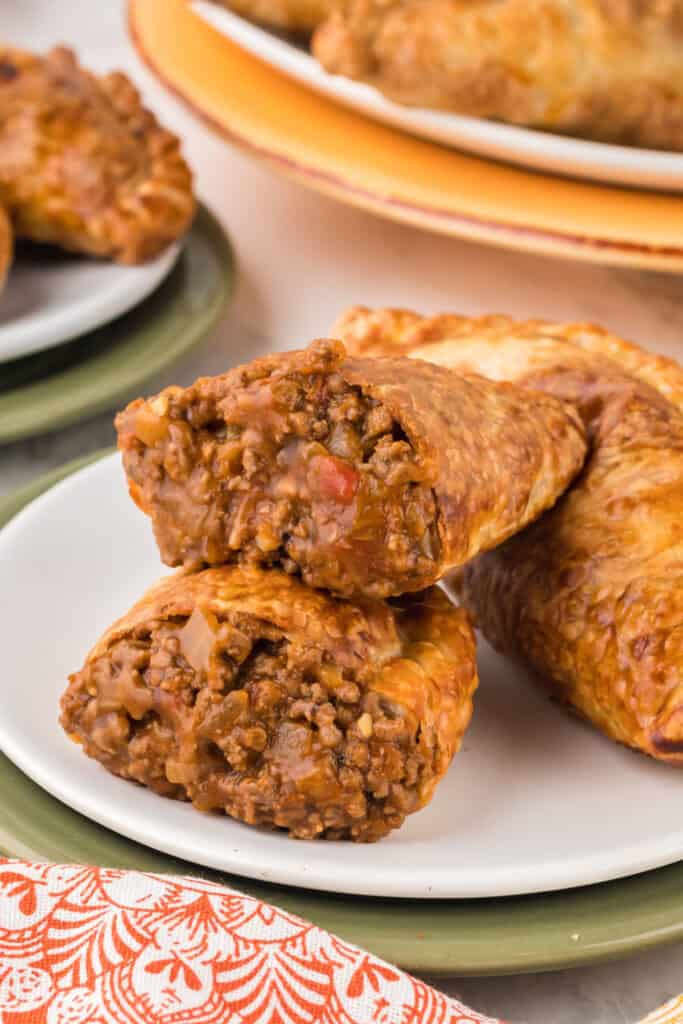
[89, 945]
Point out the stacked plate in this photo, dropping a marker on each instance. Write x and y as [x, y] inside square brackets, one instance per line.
[78, 336]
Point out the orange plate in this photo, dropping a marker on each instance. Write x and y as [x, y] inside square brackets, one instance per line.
[361, 162]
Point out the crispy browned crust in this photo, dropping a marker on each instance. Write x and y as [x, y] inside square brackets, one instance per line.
[514, 349]
[293, 15]
[83, 164]
[6, 246]
[416, 657]
[494, 460]
[590, 596]
[603, 69]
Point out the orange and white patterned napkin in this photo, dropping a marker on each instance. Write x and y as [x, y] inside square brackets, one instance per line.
[87, 945]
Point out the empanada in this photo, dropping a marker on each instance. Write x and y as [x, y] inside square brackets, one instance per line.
[371, 477]
[292, 15]
[591, 595]
[600, 69]
[246, 692]
[83, 165]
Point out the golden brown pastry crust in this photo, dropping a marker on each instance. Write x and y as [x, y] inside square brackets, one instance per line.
[344, 731]
[293, 15]
[468, 461]
[83, 164]
[495, 461]
[602, 69]
[6, 246]
[591, 595]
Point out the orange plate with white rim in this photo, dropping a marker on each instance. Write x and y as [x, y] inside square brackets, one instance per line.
[359, 161]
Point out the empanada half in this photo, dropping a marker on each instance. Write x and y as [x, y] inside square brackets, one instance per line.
[364, 476]
[246, 692]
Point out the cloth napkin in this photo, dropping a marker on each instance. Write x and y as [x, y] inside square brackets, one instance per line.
[89, 945]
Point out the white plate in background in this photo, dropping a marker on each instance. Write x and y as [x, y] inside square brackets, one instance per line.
[536, 800]
[51, 297]
[542, 151]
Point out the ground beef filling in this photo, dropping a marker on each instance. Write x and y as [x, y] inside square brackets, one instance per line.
[236, 718]
[304, 471]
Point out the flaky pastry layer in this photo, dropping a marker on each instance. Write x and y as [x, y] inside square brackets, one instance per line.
[591, 595]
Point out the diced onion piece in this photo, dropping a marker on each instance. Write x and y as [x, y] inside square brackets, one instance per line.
[149, 426]
[365, 727]
[197, 640]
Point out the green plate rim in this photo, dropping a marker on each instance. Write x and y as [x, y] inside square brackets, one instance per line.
[547, 931]
[137, 346]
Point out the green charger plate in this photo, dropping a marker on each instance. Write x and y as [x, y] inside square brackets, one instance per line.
[97, 371]
[466, 937]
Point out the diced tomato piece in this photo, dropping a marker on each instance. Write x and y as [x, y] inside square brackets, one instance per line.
[334, 480]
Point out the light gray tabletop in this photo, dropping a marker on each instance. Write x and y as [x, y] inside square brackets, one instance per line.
[301, 260]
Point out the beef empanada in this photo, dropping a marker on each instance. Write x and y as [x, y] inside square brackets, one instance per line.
[83, 165]
[601, 69]
[246, 692]
[591, 595]
[366, 476]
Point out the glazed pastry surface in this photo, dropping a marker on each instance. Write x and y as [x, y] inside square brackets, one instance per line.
[591, 595]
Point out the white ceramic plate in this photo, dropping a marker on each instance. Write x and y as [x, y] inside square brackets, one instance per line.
[50, 297]
[542, 151]
[535, 801]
